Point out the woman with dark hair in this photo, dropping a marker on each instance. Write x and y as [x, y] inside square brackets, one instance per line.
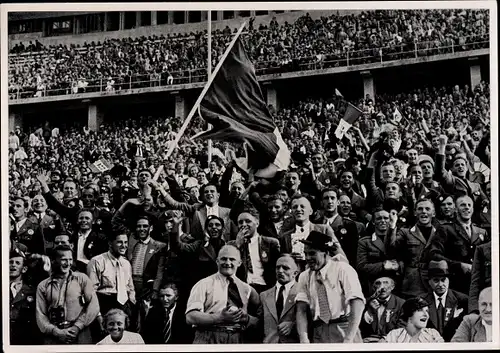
[415, 314]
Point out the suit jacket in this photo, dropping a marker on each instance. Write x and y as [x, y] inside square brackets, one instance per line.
[470, 330]
[455, 309]
[452, 244]
[198, 215]
[370, 264]
[410, 247]
[390, 319]
[153, 247]
[347, 233]
[23, 317]
[95, 244]
[49, 227]
[270, 318]
[285, 238]
[269, 252]
[480, 275]
[152, 328]
[358, 204]
[30, 235]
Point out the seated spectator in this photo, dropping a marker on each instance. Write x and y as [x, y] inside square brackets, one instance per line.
[116, 323]
[474, 327]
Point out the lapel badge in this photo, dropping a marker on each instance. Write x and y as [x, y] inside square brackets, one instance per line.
[327, 181]
[447, 315]
[99, 221]
[403, 220]
[151, 251]
[481, 236]
[477, 193]
[388, 314]
[91, 245]
[52, 226]
[12, 228]
[264, 254]
[29, 298]
[343, 231]
[31, 232]
[440, 198]
[374, 237]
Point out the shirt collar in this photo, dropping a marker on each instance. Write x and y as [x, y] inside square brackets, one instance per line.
[324, 271]
[468, 223]
[305, 226]
[113, 258]
[145, 242]
[443, 298]
[287, 286]
[85, 234]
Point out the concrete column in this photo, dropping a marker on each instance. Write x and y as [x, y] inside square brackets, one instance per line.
[220, 15]
[15, 119]
[272, 97]
[154, 18]
[106, 19]
[76, 25]
[95, 117]
[368, 85]
[138, 19]
[475, 72]
[186, 16]
[170, 17]
[204, 16]
[121, 22]
[181, 109]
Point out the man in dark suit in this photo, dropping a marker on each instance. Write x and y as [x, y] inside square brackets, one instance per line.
[345, 230]
[278, 304]
[446, 306]
[25, 231]
[141, 249]
[86, 242]
[373, 257]
[357, 201]
[199, 212]
[50, 225]
[290, 240]
[165, 322]
[456, 242]
[480, 275]
[22, 301]
[258, 254]
[382, 312]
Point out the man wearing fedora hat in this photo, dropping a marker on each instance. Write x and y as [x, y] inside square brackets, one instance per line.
[330, 293]
[447, 307]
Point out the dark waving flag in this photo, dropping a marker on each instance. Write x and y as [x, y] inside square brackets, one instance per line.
[236, 109]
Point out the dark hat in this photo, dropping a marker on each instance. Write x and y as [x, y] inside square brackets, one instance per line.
[411, 306]
[18, 250]
[319, 241]
[438, 269]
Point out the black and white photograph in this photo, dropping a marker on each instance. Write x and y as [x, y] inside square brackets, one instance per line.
[258, 176]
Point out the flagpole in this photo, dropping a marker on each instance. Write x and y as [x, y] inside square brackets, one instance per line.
[200, 98]
[209, 72]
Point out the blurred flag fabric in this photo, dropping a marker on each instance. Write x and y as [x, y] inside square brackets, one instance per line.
[235, 107]
[337, 93]
[352, 113]
[100, 166]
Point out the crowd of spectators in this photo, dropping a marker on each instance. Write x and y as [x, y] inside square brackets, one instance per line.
[395, 225]
[158, 60]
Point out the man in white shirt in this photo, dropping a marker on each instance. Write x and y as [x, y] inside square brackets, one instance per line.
[258, 254]
[86, 243]
[278, 304]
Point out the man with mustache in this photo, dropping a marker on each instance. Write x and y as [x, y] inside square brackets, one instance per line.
[447, 307]
[65, 318]
[221, 307]
[474, 327]
[456, 242]
[330, 293]
[410, 245]
[382, 312]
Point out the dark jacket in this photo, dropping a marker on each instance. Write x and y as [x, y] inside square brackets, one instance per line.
[480, 275]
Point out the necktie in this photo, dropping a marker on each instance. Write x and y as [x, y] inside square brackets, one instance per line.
[13, 290]
[467, 230]
[233, 294]
[138, 259]
[380, 312]
[40, 218]
[167, 329]
[246, 254]
[279, 301]
[440, 312]
[324, 308]
[121, 289]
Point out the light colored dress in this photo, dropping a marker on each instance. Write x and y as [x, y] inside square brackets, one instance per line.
[127, 338]
[400, 335]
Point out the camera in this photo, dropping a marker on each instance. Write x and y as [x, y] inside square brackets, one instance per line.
[57, 317]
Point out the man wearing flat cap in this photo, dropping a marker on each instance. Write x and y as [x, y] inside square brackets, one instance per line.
[330, 293]
[446, 306]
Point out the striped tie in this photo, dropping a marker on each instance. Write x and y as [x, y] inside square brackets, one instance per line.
[324, 307]
[138, 258]
[167, 329]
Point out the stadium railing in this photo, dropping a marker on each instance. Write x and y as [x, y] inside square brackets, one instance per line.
[322, 61]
